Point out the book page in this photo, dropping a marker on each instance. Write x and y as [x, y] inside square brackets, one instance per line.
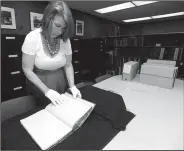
[83, 119]
[85, 116]
[45, 129]
[70, 112]
[81, 100]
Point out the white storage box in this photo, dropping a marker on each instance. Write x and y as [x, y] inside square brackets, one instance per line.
[130, 70]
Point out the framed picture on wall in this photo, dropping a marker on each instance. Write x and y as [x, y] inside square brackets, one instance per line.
[8, 18]
[79, 28]
[35, 19]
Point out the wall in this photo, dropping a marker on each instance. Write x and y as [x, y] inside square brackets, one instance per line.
[93, 26]
[175, 25]
[22, 15]
[167, 26]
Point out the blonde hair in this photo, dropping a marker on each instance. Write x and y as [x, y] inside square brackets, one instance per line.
[58, 8]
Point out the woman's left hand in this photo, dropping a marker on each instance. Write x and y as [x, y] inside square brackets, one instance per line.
[75, 92]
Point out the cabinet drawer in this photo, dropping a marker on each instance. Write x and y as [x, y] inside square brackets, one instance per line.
[98, 46]
[100, 49]
[77, 78]
[12, 56]
[13, 76]
[13, 93]
[76, 72]
[75, 43]
[11, 65]
[13, 80]
[98, 42]
[76, 54]
[76, 64]
[13, 73]
[12, 44]
[76, 69]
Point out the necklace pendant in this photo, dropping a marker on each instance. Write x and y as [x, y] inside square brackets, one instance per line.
[53, 49]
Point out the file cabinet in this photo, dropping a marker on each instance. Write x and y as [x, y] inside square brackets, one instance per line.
[99, 52]
[93, 58]
[76, 55]
[12, 79]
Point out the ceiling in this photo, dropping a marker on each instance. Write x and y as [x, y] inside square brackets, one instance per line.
[158, 8]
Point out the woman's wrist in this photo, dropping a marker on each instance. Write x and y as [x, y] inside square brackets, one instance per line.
[72, 86]
[46, 89]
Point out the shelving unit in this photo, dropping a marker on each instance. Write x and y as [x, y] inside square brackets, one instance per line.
[141, 47]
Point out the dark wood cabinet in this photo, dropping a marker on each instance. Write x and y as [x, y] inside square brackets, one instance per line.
[12, 79]
[88, 58]
[76, 55]
[96, 56]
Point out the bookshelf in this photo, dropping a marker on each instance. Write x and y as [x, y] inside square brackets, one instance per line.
[142, 47]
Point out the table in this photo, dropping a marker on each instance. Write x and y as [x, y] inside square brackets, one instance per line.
[159, 115]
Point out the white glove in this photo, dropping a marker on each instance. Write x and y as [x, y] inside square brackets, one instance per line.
[55, 97]
[75, 92]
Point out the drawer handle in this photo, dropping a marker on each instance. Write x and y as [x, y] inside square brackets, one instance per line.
[75, 50]
[17, 88]
[12, 56]
[10, 37]
[76, 72]
[101, 50]
[15, 72]
[76, 39]
[76, 61]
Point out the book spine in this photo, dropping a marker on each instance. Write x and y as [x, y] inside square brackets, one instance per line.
[162, 53]
[176, 54]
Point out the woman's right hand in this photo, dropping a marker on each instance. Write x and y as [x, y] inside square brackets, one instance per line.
[55, 97]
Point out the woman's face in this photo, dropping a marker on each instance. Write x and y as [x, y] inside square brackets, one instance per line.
[58, 25]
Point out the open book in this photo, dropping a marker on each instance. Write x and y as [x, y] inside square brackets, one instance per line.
[53, 124]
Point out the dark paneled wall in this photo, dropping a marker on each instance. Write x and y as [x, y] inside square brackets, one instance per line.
[93, 26]
[156, 27]
[175, 25]
[22, 15]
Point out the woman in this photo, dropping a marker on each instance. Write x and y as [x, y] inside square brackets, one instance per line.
[47, 56]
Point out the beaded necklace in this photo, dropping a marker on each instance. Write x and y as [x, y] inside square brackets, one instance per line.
[54, 48]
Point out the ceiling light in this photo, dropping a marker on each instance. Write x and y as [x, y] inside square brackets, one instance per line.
[139, 3]
[168, 15]
[115, 8]
[137, 19]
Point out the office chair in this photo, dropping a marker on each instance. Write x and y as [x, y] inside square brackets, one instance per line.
[103, 77]
[83, 84]
[17, 106]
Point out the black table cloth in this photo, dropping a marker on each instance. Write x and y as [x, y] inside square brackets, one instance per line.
[109, 117]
